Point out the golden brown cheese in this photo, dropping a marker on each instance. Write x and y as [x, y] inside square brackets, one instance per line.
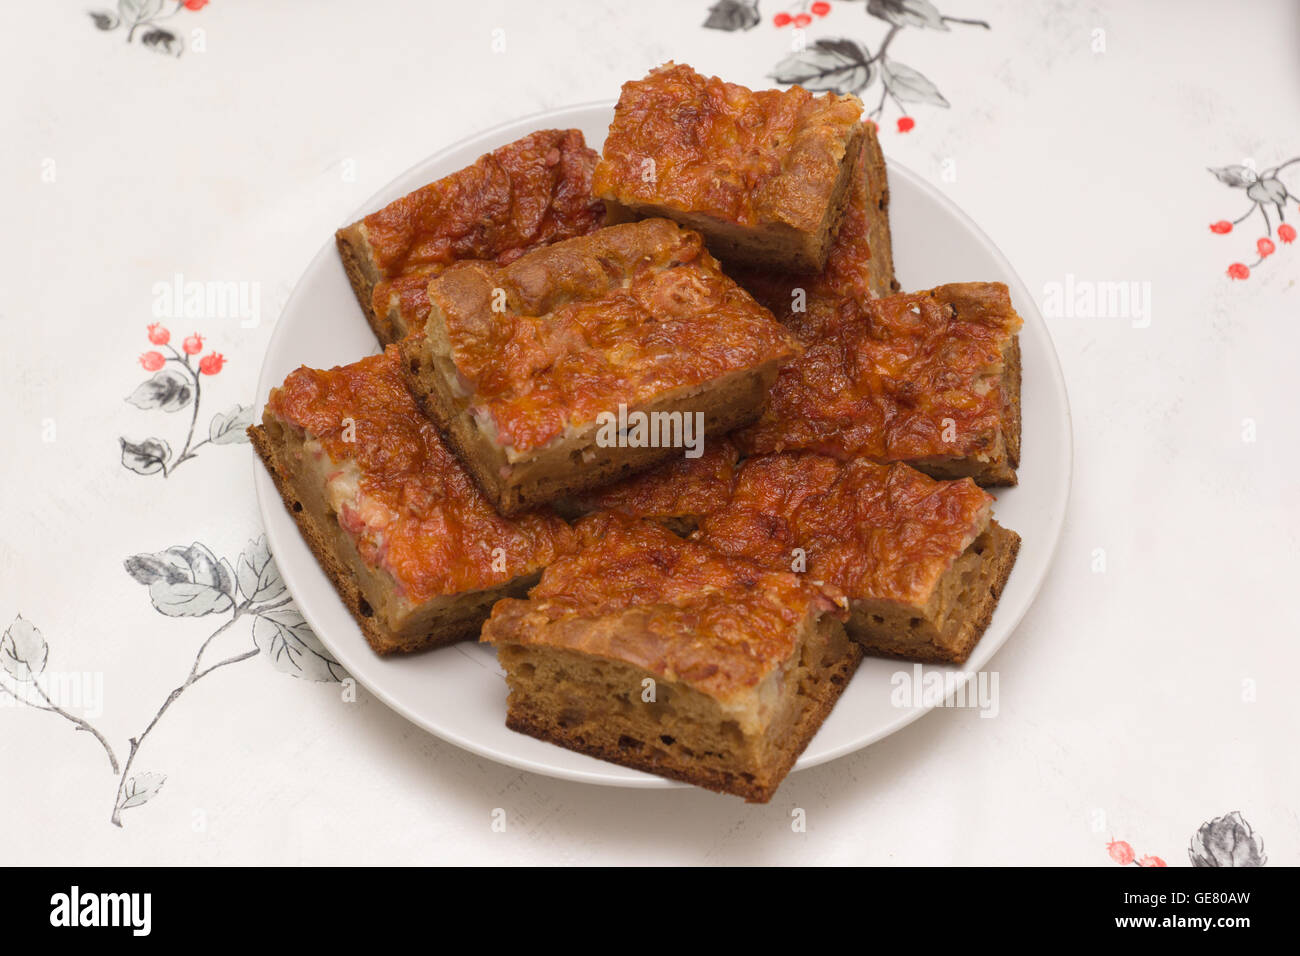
[571, 330]
[874, 531]
[684, 488]
[909, 377]
[747, 157]
[533, 191]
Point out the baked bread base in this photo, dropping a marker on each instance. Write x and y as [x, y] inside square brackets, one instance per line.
[946, 629]
[390, 625]
[359, 265]
[594, 706]
[881, 280]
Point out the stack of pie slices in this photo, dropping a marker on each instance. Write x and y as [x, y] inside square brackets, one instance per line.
[658, 425]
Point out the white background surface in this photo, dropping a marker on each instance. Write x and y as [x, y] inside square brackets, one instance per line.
[1121, 706]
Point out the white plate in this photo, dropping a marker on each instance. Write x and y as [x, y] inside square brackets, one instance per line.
[458, 692]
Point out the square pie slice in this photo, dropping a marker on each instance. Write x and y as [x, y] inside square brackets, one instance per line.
[662, 654]
[591, 359]
[861, 258]
[525, 194]
[930, 378]
[921, 561]
[415, 551]
[764, 175]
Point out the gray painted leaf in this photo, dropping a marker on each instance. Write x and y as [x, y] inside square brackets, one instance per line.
[145, 457]
[167, 389]
[836, 63]
[909, 86]
[259, 578]
[105, 19]
[148, 568]
[185, 599]
[284, 637]
[733, 15]
[1270, 190]
[133, 11]
[1227, 841]
[162, 41]
[204, 566]
[907, 13]
[229, 428]
[1236, 176]
[23, 651]
[140, 789]
[185, 582]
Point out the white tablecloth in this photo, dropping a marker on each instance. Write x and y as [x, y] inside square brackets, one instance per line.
[1145, 693]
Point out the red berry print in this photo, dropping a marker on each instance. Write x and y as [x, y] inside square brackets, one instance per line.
[193, 344]
[211, 363]
[782, 20]
[158, 335]
[195, 4]
[1221, 228]
[1286, 233]
[1265, 247]
[802, 20]
[152, 361]
[1120, 852]
[1238, 271]
[821, 8]
[1151, 861]
[906, 124]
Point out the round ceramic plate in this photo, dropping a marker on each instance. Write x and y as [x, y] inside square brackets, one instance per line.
[458, 692]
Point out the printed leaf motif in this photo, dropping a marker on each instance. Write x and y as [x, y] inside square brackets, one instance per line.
[836, 64]
[1270, 190]
[140, 789]
[146, 457]
[229, 429]
[105, 19]
[136, 10]
[258, 577]
[1227, 841]
[733, 15]
[907, 13]
[184, 582]
[23, 651]
[162, 41]
[1238, 176]
[908, 86]
[284, 637]
[166, 389]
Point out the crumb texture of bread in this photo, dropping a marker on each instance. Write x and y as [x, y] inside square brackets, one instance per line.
[533, 191]
[763, 174]
[529, 368]
[743, 662]
[396, 522]
[860, 262]
[930, 378]
[920, 560]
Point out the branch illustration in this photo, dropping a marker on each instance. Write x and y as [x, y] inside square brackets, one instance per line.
[23, 655]
[192, 582]
[845, 65]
